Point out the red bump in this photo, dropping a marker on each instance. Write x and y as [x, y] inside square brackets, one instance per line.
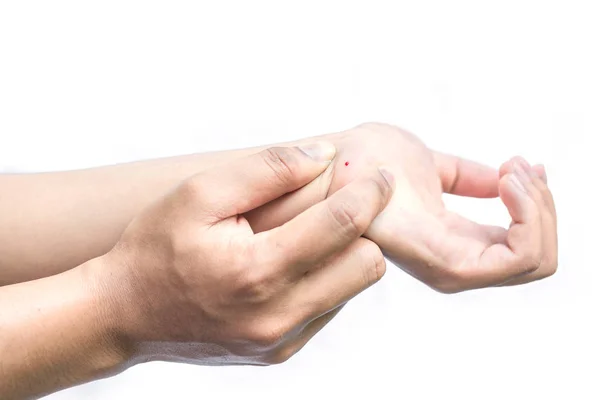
[347, 163]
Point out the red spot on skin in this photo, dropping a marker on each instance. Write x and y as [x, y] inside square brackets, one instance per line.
[347, 163]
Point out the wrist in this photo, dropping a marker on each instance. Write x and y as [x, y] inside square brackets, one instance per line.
[108, 311]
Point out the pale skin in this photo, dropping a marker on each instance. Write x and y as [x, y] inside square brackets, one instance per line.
[189, 281]
[205, 306]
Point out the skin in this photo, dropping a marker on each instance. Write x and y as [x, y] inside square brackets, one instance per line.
[189, 281]
[442, 249]
[91, 208]
[122, 289]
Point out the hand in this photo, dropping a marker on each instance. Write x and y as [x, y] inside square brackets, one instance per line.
[192, 282]
[444, 250]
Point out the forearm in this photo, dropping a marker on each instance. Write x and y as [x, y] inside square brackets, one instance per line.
[51, 222]
[56, 333]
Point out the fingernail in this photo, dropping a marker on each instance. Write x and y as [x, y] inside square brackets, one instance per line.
[520, 170]
[388, 175]
[319, 151]
[517, 182]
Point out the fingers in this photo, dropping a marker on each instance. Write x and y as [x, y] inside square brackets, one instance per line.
[355, 269]
[329, 226]
[286, 207]
[538, 169]
[315, 300]
[541, 173]
[252, 181]
[530, 248]
[305, 336]
[548, 217]
[466, 178]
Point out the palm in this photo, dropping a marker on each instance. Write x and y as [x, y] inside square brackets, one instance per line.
[435, 245]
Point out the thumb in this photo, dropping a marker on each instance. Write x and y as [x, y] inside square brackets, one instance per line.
[250, 182]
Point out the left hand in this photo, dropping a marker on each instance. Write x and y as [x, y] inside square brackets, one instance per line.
[444, 250]
[189, 281]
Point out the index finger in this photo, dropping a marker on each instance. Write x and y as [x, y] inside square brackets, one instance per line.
[465, 177]
[252, 181]
[331, 225]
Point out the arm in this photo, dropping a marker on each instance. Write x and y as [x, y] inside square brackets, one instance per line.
[55, 333]
[51, 222]
[84, 212]
[213, 297]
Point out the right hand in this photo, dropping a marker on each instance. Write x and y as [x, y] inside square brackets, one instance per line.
[445, 250]
[190, 281]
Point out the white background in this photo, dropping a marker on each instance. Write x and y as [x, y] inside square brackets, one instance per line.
[90, 83]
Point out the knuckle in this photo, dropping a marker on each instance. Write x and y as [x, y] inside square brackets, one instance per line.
[282, 355]
[254, 280]
[255, 287]
[347, 218]
[531, 262]
[374, 265]
[193, 190]
[282, 162]
[269, 335]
